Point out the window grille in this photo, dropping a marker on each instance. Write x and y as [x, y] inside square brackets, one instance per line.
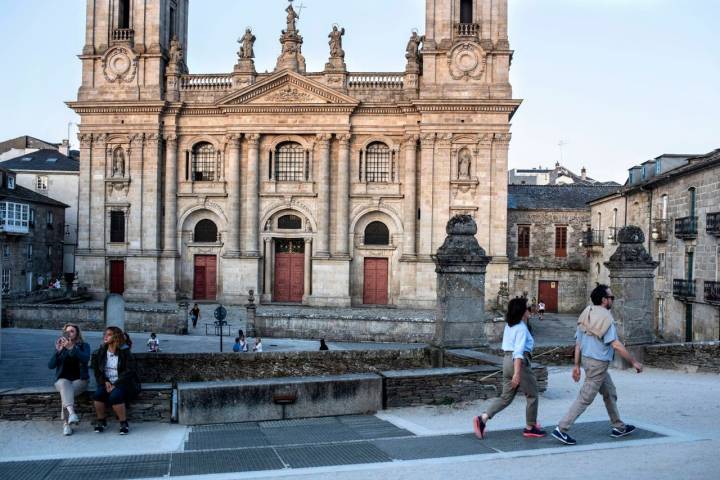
[290, 163]
[117, 227]
[377, 163]
[204, 162]
[376, 233]
[290, 222]
[6, 280]
[205, 232]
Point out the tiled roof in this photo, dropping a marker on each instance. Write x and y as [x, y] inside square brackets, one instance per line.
[24, 194]
[23, 142]
[42, 160]
[555, 197]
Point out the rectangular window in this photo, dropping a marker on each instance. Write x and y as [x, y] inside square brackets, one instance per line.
[42, 182]
[658, 167]
[523, 241]
[32, 217]
[561, 241]
[14, 217]
[49, 251]
[11, 183]
[642, 172]
[661, 266]
[29, 251]
[117, 227]
[5, 280]
[50, 217]
[6, 250]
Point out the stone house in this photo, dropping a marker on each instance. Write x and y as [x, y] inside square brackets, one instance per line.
[674, 199]
[551, 176]
[31, 235]
[547, 238]
[322, 188]
[55, 175]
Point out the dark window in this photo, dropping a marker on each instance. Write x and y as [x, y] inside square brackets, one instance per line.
[692, 201]
[466, 11]
[376, 233]
[289, 245]
[523, 241]
[172, 23]
[561, 241]
[290, 222]
[204, 161]
[117, 227]
[205, 232]
[377, 162]
[290, 162]
[124, 14]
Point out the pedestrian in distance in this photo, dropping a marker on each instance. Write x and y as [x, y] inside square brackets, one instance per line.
[195, 315]
[541, 309]
[117, 381]
[596, 343]
[153, 343]
[517, 344]
[323, 345]
[237, 348]
[258, 345]
[70, 361]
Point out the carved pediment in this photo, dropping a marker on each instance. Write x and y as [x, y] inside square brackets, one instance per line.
[287, 88]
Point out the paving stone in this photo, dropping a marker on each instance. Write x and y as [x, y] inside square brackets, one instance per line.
[433, 447]
[27, 470]
[224, 461]
[329, 455]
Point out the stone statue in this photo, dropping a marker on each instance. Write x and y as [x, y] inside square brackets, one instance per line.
[246, 45]
[464, 164]
[412, 51]
[291, 18]
[118, 165]
[336, 50]
[176, 53]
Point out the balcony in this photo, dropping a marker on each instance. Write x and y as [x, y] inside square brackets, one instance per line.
[684, 289]
[686, 227]
[712, 292]
[659, 230]
[123, 35]
[612, 235]
[467, 29]
[712, 224]
[14, 218]
[593, 238]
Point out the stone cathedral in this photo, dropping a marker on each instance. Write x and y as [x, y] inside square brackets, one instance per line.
[327, 188]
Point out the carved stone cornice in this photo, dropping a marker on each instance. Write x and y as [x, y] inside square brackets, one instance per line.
[485, 139]
[503, 138]
[411, 139]
[85, 139]
[136, 139]
[344, 139]
[100, 139]
[428, 139]
[323, 140]
[253, 139]
[233, 140]
[117, 107]
[444, 139]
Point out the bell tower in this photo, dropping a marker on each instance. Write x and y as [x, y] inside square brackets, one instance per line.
[128, 45]
[466, 49]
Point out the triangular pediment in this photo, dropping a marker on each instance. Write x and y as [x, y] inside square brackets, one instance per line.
[287, 88]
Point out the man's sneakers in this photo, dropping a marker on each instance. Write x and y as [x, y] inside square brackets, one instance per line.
[534, 432]
[67, 430]
[621, 432]
[479, 427]
[124, 428]
[100, 426]
[563, 437]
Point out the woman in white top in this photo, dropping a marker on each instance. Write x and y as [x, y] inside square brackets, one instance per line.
[258, 345]
[517, 344]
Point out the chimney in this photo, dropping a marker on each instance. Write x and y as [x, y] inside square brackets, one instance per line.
[65, 147]
[583, 173]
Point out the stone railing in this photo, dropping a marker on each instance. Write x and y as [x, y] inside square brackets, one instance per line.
[123, 35]
[684, 288]
[209, 82]
[686, 227]
[712, 224]
[712, 292]
[467, 29]
[382, 81]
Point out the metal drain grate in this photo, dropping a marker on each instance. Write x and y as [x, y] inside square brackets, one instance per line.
[329, 455]
[310, 434]
[27, 470]
[135, 466]
[226, 439]
[298, 422]
[432, 447]
[369, 427]
[226, 461]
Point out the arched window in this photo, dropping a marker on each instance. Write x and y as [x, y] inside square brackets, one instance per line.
[289, 222]
[466, 11]
[599, 224]
[692, 199]
[204, 162]
[376, 233]
[664, 207]
[205, 232]
[597, 270]
[291, 162]
[378, 163]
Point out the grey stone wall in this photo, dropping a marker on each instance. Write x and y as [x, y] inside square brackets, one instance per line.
[152, 405]
[694, 357]
[438, 386]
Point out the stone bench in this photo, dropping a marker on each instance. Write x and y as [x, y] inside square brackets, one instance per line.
[278, 398]
[43, 403]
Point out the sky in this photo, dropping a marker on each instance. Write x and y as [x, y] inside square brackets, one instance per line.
[617, 82]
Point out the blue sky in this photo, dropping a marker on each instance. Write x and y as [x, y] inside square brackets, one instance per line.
[619, 81]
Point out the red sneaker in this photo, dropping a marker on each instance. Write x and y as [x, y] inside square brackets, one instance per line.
[534, 432]
[479, 427]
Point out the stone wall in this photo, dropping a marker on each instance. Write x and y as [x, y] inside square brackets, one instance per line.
[168, 368]
[138, 318]
[154, 404]
[694, 357]
[438, 386]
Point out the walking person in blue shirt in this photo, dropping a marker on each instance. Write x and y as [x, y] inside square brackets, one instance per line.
[596, 342]
[518, 344]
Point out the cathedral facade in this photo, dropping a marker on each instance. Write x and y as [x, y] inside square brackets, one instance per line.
[328, 188]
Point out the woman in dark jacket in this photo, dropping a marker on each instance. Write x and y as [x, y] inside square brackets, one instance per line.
[117, 383]
[70, 361]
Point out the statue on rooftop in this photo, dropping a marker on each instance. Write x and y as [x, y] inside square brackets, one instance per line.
[336, 50]
[246, 45]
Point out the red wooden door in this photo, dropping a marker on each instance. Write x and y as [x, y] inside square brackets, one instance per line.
[375, 283]
[205, 278]
[548, 294]
[117, 276]
[289, 277]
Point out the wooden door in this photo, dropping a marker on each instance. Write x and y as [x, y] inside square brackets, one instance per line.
[548, 294]
[205, 277]
[117, 277]
[289, 277]
[375, 283]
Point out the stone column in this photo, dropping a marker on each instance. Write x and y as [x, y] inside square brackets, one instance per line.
[134, 233]
[232, 243]
[151, 194]
[267, 267]
[410, 192]
[97, 194]
[323, 181]
[251, 219]
[631, 280]
[342, 203]
[426, 193]
[86, 159]
[171, 169]
[460, 266]
[308, 267]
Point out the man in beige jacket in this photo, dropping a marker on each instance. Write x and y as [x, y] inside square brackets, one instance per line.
[596, 342]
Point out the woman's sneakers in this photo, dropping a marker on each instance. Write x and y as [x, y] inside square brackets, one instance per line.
[621, 432]
[124, 428]
[100, 426]
[73, 419]
[563, 437]
[479, 427]
[67, 430]
[534, 432]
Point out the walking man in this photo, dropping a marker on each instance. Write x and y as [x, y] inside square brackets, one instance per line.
[596, 342]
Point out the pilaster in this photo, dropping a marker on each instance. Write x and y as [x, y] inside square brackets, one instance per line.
[323, 189]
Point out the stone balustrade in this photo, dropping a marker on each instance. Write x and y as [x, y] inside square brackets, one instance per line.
[209, 82]
[382, 81]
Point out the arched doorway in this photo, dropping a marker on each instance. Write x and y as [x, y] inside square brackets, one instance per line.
[289, 284]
